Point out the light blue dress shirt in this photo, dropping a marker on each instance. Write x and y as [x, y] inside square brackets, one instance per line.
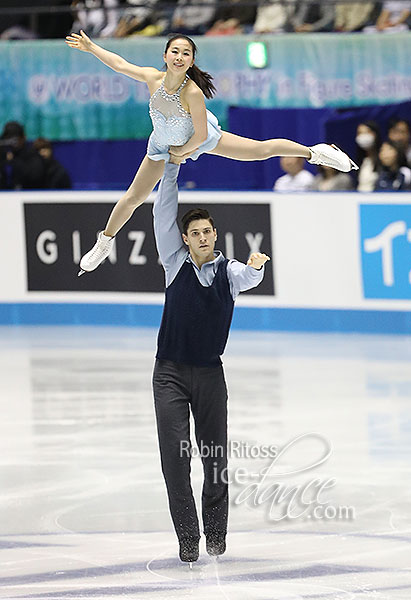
[173, 252]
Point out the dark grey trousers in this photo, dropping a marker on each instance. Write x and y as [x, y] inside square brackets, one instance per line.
[177, 388]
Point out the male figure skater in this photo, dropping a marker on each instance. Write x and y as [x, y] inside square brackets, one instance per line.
[201, 286]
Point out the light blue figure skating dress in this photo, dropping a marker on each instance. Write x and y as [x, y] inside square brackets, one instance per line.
[173, 126]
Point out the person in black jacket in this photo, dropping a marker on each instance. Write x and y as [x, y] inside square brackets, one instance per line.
[55, 176]
[394, 175]
[21, 167]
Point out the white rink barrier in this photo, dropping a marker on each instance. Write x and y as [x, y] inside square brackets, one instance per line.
[330, 252]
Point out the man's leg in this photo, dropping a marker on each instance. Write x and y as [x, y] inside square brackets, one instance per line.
[171, 387]
[209, 407]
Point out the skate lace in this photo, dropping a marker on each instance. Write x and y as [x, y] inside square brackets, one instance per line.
[100, 248]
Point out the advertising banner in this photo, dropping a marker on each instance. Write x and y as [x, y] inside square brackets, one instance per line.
[386, 250]
[57, 235]
[64, 94]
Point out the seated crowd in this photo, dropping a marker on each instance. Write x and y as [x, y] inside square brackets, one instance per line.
[26, 166]
[385, 166]
[121, 18]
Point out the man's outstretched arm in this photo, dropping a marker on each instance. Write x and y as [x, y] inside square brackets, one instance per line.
[170, 245]
[245, 277]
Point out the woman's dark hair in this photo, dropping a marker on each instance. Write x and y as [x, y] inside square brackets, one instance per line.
[401, 156]
[361, 153]
[395, 120]
[201, 78]
[195, 214]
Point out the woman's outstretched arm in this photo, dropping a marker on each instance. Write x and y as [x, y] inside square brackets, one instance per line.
[111, 59]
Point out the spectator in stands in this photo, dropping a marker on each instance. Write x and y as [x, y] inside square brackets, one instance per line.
[96, 17]
[273, 17]
[137, 19]
[313, 16]
[21, 167]
[28, 26]
[15, 26]
[394, 175]
[354, 16]
[330, 180]
[368, 142]
[193, 17]
[394, 17]
[233, 19]
[55, 175]
[297, 179]
[399, 131]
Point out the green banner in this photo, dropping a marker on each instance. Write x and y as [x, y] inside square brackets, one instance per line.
[64, 94]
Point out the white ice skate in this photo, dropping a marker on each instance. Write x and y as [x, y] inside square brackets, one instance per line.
[97, 254]
[331, 156]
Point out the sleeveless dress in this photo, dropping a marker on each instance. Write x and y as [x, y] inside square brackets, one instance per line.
[173, 125]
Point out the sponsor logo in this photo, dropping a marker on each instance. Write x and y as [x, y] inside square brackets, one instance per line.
[57, 236]
[386, 250]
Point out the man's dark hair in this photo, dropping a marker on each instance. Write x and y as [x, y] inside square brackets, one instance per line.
[12, 129]
[195, 214]
[41, 143]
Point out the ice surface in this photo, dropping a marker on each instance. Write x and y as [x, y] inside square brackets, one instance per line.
[83, 509]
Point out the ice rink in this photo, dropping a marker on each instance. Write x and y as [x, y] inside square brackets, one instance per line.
[83, 509]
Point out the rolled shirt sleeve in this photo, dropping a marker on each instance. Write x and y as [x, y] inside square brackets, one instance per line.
[242, 277]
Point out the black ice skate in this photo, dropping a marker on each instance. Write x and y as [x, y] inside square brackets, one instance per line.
[215, 544]
[189, 551]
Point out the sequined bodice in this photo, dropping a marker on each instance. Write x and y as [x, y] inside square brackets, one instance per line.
[172, 124]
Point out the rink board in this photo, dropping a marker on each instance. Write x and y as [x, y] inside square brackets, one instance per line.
[340, 261]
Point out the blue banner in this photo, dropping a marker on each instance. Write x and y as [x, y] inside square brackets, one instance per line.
[386, 250]
[64, 94]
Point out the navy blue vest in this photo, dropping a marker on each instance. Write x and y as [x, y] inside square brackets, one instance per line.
[196, 319]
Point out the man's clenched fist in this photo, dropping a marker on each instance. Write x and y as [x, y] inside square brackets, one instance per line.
[257, 260]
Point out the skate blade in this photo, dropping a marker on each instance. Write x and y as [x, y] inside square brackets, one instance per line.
[354, 166]
[81, 272]
[190, 566]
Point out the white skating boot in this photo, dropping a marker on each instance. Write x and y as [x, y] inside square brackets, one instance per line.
[97, 254]
[331, 156]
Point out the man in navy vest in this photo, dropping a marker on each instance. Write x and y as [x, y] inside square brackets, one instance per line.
[201, 286]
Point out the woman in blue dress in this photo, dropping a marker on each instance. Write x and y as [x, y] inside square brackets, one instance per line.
[184, 128]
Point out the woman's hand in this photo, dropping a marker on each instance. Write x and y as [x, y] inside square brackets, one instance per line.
[80, 42]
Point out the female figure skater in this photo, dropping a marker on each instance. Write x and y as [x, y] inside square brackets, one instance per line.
[184, 128]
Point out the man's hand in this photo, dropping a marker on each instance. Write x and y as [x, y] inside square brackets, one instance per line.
[176, 160]
[176, 150]
[257, 260]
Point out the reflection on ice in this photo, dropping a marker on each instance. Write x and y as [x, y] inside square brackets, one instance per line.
[83, 510]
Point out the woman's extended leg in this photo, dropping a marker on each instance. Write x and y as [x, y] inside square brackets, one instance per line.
[241, 148]
[147, 176]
